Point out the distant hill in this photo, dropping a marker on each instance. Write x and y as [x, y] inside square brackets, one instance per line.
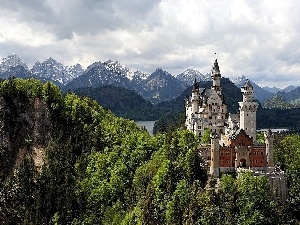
[122, 102]
[161, 85]
[275, 89]
[284, 100]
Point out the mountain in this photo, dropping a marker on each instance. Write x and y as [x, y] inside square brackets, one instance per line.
[122, 102]
[116, 67]
[160, 86]
[97, 75]
[51, 70]
[272, 89]
[139, 78]
[189, 76]
[156, 87]
[13, 66]
[284, 100]
[289, 88]
[260, 94]
[11, 61]
[15, 71]
[275, 89]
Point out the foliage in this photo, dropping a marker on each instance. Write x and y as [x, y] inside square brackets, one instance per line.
[206, 136]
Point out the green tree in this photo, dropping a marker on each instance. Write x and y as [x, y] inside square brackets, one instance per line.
[206, 137]
[254, 196]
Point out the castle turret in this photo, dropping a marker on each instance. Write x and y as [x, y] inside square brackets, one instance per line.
[195, 97]
[269, 139]
[214, 162]
[216, 77]
[248, 110]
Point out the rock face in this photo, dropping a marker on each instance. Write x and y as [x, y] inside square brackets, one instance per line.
[23, 122]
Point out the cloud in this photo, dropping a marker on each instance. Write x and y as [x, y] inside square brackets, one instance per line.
[257, 38]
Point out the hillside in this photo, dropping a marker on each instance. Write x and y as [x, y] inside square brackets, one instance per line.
[122, 102]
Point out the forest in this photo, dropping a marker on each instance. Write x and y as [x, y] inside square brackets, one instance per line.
[96, 168]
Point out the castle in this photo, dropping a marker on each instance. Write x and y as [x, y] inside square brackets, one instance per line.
[233, 136]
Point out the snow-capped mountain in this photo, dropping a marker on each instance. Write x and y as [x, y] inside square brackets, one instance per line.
[97, 75]
[74, 71]
[13, 66]
[51, 70]
[189, 76]
[240, 81]
[11, 61]
[158, 86]
[118, 68]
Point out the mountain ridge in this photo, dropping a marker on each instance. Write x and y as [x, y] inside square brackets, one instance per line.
[156, 87]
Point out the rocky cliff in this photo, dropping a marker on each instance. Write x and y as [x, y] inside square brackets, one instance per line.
[25, 129]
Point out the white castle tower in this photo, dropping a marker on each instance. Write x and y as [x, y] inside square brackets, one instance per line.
[195, 97]
[248, 110]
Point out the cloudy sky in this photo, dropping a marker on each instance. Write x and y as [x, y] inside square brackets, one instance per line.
[256, 38]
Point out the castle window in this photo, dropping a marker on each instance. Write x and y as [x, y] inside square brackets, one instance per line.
[262, 153]
[212, 159]
[227, 161]
[221, 153]
[255, 161]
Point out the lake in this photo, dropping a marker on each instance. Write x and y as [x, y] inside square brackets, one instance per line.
[147, 124]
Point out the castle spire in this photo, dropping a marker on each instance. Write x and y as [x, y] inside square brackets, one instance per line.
[216, 77]
[195, 85]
